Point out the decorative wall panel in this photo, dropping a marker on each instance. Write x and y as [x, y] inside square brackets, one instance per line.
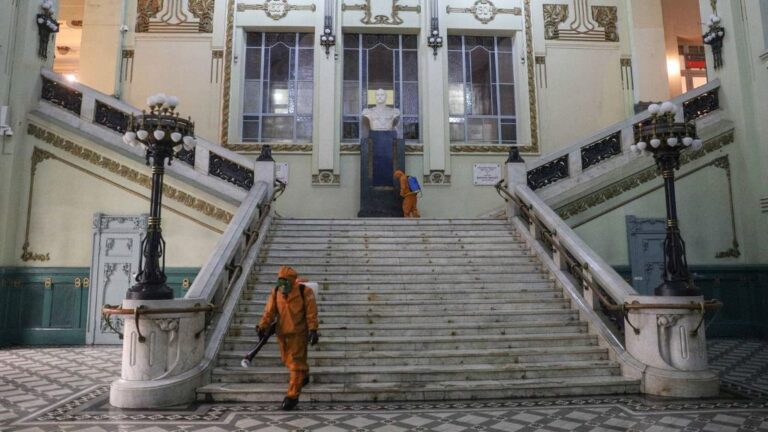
[371, 17]
[484, 11]
[588, 23]
[174, 16]
[276, 9]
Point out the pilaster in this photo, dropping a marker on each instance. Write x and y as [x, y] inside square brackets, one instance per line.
[434, 106]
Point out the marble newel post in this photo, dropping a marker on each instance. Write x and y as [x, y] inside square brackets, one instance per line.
[672, 344]
[157, 348]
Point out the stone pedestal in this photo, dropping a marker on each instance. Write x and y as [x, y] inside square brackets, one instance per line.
[160, 347]
[671, 342]
[381, 154]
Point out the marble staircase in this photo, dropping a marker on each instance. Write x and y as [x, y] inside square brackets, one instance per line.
[417, 310]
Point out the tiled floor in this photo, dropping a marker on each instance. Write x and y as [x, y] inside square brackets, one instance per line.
[67, 389]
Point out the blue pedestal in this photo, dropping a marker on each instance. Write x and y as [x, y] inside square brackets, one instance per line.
[381, 154]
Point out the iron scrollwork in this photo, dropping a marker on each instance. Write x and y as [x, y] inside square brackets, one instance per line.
[701, 105]
[599, 151]
[186, 156]
[61, 95]
[548, 173]
[230, 171]
[110, 117]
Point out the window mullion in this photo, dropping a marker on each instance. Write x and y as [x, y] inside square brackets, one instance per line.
[498, 89]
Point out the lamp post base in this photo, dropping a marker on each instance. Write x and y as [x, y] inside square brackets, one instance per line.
[677, 288]
[147, 291]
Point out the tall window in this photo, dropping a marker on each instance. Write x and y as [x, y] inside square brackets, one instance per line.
[481, 90]
[373, 62]
[278, 87]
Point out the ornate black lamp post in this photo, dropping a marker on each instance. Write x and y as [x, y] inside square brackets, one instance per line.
[162, 133]
[665, 138]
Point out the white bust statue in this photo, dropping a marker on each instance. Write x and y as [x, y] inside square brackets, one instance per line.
[381, 117]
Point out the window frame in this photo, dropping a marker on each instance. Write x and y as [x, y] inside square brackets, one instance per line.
[363, 87]
[265, 82]
[497, 105]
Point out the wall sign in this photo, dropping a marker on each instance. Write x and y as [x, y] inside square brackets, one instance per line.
[486, 174]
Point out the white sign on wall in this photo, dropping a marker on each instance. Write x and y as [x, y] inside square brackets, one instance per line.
[281, 171]
[486, 174]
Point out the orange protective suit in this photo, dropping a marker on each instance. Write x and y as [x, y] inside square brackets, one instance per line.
[409, 198]
[296, 318]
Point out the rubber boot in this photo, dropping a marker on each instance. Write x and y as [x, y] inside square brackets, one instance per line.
[289, 403]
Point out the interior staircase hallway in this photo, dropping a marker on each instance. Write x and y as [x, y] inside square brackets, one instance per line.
[427, 309]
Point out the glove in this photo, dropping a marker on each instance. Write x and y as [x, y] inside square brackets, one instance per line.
[261, 332]
[313, 337]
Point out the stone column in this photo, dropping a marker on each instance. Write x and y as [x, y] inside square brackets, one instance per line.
[100, 44]
[671, 342]
[433, 76]
[328, 89]
[649, 61]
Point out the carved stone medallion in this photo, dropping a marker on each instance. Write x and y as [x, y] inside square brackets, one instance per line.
[484, 11]
[275, 9]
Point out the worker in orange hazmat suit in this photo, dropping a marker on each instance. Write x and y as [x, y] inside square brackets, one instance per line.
[295, 308]
[409, 198]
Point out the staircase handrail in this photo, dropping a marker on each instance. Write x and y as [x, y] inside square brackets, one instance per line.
[601, 288]
[97, 108]
[567, 161]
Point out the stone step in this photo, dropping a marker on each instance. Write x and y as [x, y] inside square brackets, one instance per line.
[410, 269]
[287, 223]
[330, 296]
[424, 317]
[563, 325]
[419, 357]
[436, 278]
[331, 343]
[383, 287]
[421, 374]
[394, 261]
[398, 234]
[400, 241]
[458, 305]
[394, 247]
[298, 255]
[407, 391]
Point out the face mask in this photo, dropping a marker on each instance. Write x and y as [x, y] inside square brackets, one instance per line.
[285, 286]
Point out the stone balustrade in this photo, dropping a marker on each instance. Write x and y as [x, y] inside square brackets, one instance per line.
[665, 347]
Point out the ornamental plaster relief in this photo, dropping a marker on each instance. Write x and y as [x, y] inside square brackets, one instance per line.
[174, 16]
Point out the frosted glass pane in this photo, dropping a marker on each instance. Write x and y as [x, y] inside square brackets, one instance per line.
[250, 131]
[456, 99]
[410, 99]
[253, 63]
[304, 128]
[507, 102]
[306, 64]
[278, 128]
[506, 73]
[483, 130]
[410, 66]
[304, 97]
[252, 97]
[455, 65]
[351, 98]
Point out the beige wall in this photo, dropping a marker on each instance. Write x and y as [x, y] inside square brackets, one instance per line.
[100, 44]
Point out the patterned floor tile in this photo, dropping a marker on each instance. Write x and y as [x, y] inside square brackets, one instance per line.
[45, 389]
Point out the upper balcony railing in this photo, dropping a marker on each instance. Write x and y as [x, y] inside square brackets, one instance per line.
[614, 141]
[94, 108]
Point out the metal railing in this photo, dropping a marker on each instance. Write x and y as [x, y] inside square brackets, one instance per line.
[598, 286]
[92, 108]
[613, 141]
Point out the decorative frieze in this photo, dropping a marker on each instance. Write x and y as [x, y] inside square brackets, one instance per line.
[174, 16]
[380, 19]
[27, 255]
[275, 9]
[627, 80]
[217, 59]
[469, 148]
[484, 11]
[533, 111]
[126, 66]
[129, 174]
[583, 27]
[635, 180]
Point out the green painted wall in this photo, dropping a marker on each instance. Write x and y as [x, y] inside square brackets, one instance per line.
[33, 314]
[743, 289]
